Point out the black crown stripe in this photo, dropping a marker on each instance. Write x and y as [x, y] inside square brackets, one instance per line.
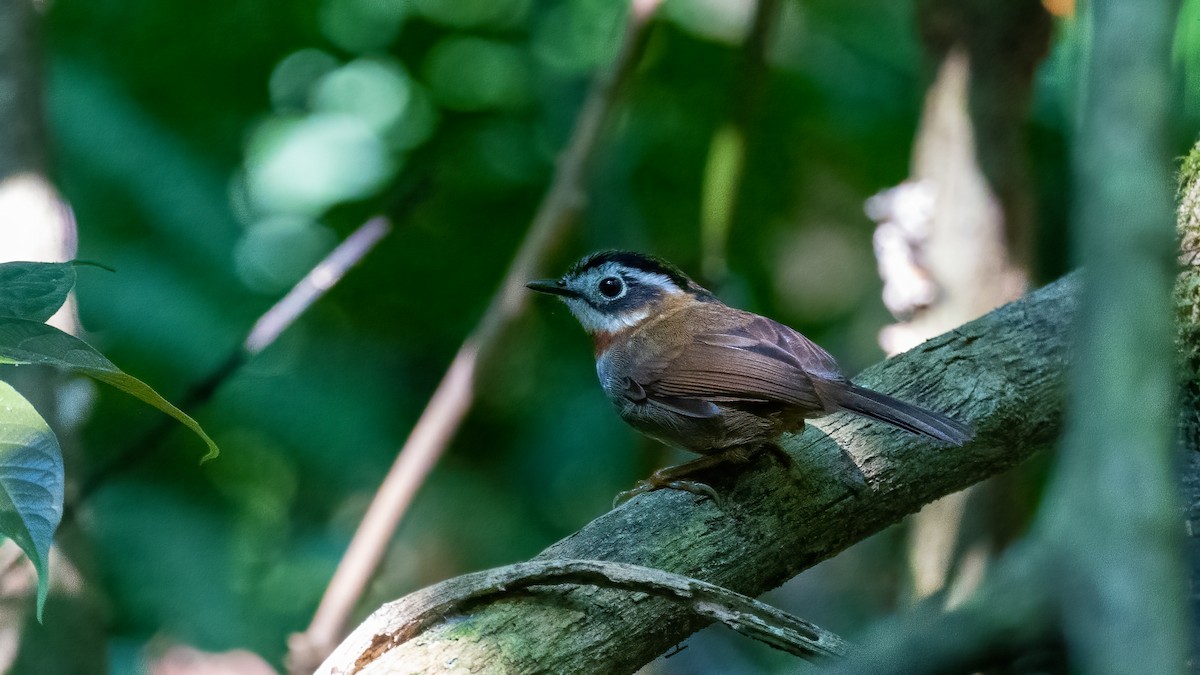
[643, 262]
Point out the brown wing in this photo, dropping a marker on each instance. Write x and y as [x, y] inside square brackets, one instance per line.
[751, 360]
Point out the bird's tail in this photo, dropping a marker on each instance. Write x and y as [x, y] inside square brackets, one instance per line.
[897, 413]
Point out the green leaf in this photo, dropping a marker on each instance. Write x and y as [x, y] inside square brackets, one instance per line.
[31, 483]
[34, 290]
[24, 341]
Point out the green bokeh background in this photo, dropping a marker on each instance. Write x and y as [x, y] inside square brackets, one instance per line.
[213, 152]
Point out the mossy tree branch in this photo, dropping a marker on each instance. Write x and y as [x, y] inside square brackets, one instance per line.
[1187, 316]
[398, 622]
[1003, 372]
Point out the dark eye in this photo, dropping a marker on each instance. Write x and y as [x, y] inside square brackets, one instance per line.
[611, 287]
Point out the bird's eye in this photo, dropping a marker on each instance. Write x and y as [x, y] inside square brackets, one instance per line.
[611, 287]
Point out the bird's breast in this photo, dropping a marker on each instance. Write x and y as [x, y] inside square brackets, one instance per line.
[610, 380]
[601, 341]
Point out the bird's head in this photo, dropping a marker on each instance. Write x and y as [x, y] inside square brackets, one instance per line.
[614, 290]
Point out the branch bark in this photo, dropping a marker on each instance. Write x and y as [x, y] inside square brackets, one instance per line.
[1187, 341]
[398, 622]
[1003, 372]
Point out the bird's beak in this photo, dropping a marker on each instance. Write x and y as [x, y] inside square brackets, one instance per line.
[553, 287]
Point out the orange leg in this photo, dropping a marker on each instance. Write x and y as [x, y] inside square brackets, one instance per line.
[671, 477]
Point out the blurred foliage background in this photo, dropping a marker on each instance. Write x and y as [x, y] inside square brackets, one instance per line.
[213, 153]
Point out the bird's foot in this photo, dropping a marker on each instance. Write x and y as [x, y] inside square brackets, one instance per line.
[650, 485]
[672, 477]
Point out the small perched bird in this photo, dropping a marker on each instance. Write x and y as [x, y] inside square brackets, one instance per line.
[686, 369]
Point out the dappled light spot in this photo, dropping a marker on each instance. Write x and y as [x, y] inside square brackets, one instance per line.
[469, 73]
[275, 252]
[294, 76]
[579, 36]
[417, 124]
[1063, 8]
[721, 20]
[375, 91]
[305, 166]
[361, 26]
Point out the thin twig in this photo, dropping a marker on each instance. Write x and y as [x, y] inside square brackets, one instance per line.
[268, 327]
[398, 622]
[454, 394]
[315, 284]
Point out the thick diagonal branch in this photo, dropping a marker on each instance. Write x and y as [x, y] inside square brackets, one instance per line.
[1004, 372]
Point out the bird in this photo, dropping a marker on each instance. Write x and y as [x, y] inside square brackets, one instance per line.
[686, 369]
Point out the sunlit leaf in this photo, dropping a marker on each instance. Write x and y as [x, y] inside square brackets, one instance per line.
[726, 162]
[294, 76]
[34, 290]
[31, 483]
[23, 341]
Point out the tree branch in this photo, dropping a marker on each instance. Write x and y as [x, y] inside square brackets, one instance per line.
[1187, 341]
[23, 132]
[1003, 372]
[398, 622]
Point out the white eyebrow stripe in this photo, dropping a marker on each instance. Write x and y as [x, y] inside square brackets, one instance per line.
[661, 281]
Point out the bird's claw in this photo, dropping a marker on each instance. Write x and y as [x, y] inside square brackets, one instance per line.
[692, 486]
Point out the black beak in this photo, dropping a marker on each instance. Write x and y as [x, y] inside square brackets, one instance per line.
[553, 287]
